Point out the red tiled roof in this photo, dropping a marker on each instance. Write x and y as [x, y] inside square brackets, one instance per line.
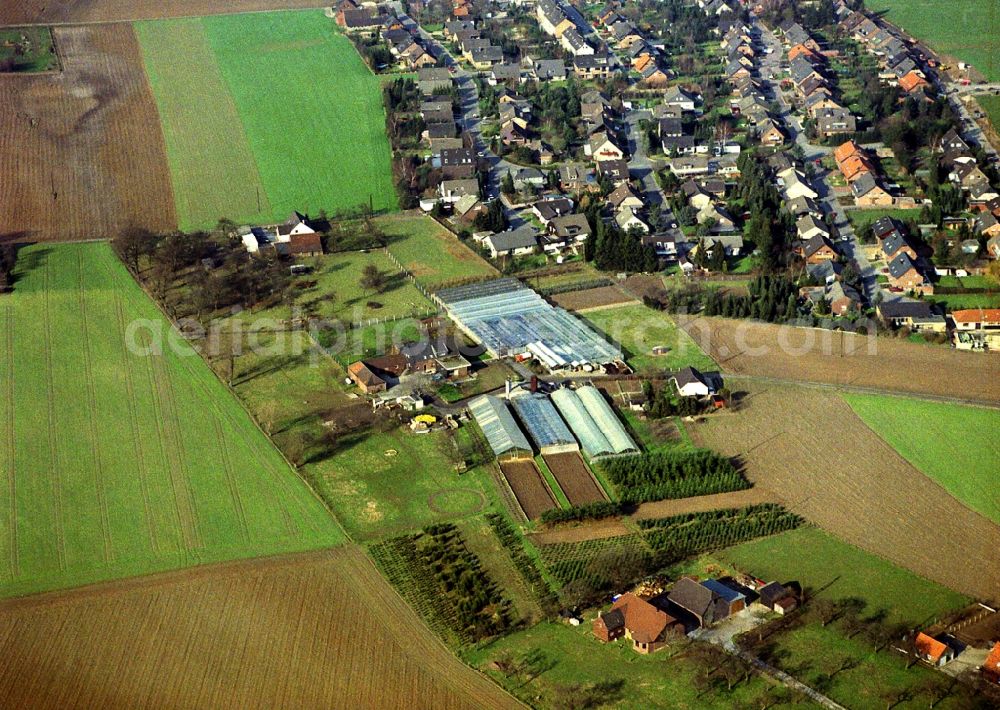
[930, 648]
[644, 621]
[977, 315]
[992, 663]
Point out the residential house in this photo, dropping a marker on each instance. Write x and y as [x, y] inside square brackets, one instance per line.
[602, 147]
[735, 600]
[692, 383]
[548, 209]
[868, 193]
[575, 177]
[308, 244]
[831, 121]
[513, 242]
[433, 80]
[569, 229]
[907, 313]
[977, 328]
[592, 66]
[526, 179]
[904, 274]
[624, 196]
[637, 620]
[366, 380]
[991, 667]
[677, 96]
[627, 218]
[932, 651]
[296, 224]
[458, 163]
[895, 243]
[450, 191]
[795, 184]
[818, 248]
[770, 133]
[808, 227]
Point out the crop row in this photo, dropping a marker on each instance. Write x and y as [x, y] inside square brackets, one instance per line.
[666, 474]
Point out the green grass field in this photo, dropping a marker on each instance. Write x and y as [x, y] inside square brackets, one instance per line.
[430, 252]
[822, 562]
[118, 464]
[386, 483]
[37, 49]
[860, 218]
[966, 29]
[275, 107]
[991, 106]
[558, 658]
[333, 291]
[638, 329]
[956, 446]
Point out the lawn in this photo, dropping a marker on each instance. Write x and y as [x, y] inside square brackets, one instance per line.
[430, 252]
[638, 329]
[966, 29]
[333, 291]
[958, 301]
[38, 53]
[991, 106]
[860, 218]
[839, 571]
[118, 463]
[269, 107]
[556, 658]
[849, 671]
[387, 483]
[955, 445]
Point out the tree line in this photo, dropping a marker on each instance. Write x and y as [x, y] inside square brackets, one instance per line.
[672, 473]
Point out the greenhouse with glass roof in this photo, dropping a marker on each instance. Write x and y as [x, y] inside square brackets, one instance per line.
[543, 423]
[605, 419]
[508, 318]
[588, 432]
[502, 432]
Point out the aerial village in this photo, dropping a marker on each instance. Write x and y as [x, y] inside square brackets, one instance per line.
[547, 135]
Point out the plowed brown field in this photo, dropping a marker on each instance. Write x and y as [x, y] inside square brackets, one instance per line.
[592, 298]
[316, 630]
[574, 478]
[81, 151]
[529, 487]
[812, 452]
[22, 12]
[808, 354]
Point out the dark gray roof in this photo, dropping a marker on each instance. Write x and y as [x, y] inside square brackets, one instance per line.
[903, 308]
[900, 265]
[613, 620]
[688, 376]
[519, 238]
[771, 592]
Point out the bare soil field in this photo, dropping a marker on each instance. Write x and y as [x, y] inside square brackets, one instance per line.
[81, 151]
[591, 530]
[24, 12]
[314, 630]
[575, 479]
[813, 454]
[591, 298]
[701, 504]
[529, 487]
[812, 355]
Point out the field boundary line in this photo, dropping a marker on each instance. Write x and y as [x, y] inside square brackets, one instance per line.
[246, 410]
[15, 569]
[50, 396]
[234, 492]
[165, 454]
[134, 424]
[95, 449]
[180, 474]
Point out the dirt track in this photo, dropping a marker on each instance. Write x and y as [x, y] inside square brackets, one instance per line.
[24, 12]
[81, 151]
[315, 630]
[810, 451]
[813, 355]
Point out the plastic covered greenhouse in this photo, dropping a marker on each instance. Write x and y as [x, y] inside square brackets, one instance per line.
[545, 427]
[606, 419]
[587, 431]
[502, 432]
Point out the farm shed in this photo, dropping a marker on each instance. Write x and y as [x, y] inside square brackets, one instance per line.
[606, 419]
[508, 319]
[502, 432]
[545, 427]
[587, 431]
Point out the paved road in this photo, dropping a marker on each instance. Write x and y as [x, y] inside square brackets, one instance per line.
[848, 244]
[469, 119]
[640, 167]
